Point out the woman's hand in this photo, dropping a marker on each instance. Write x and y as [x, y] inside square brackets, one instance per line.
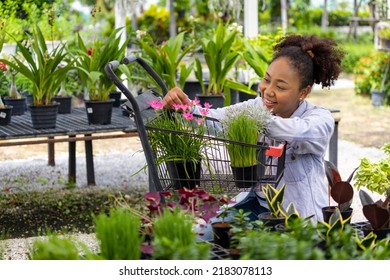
[175, 96]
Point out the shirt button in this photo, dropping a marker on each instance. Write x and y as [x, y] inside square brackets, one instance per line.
[293, 157]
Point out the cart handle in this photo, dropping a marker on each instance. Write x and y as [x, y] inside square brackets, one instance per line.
[131, 58]
[274, 151]
[109, 69]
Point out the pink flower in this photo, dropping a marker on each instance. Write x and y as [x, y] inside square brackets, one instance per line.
[204, 111]
[153, 197]
[156, 104]
[188, 116]
[176, 106]
[195, 102]
[184, 107]
[207, 105]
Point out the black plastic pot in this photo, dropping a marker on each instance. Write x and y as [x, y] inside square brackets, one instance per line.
[99, 112]
[5, 115]
[245, 177]
[221, 233]
[184, 174]
[116, 95]
[329, 210]
[44, 116]
[216, 100]
[65, 104]
[18, 105]
[270, 221]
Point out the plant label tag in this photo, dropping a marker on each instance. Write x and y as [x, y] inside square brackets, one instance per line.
[3, 115]
[89, 110]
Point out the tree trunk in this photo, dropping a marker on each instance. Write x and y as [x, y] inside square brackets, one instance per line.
[172, 20]
[324, 19]
[283, 4]
[251, 26]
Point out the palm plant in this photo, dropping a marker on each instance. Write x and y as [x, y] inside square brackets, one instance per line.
[220, 58]
[90, 63]
[167, 58]
[43, 67]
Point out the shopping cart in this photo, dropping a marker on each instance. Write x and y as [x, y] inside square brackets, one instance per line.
[213, 170]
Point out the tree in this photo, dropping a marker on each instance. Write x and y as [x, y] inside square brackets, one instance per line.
[324, 19]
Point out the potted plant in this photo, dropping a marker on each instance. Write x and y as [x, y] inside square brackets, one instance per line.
[64, 99]
[221, 57]
[5, 110]
[274, 198]
[14, 98]
[377, 213]
[167, 58]
[340, 191]
[90, 64]
[255, 62]
[43, 68]
[375, 176]
[177, 139]
[242, 127]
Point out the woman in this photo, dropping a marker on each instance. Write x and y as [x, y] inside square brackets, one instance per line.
[298, 63]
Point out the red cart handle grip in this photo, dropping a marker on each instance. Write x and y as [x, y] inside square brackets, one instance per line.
[275, 151]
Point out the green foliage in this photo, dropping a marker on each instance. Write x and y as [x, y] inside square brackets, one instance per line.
[353, 53]
[369, 73]
[263, 245]
[24, 84]
[274, 198]
[27, 213]
[166, 58]
[20, 16]
[155, 21]
[242, 126]
[54, 248]
[43, 67]
[375, 176]
[174, 238]
[220, 59]
[175, 137]
[92, 57]
[119, 235]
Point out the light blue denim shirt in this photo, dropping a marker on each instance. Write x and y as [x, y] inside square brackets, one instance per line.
[307, 132]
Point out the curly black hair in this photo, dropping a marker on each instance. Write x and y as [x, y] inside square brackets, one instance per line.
[317, 60]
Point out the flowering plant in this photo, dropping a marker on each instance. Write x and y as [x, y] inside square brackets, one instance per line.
[92, 57]
[198, 202]
[177, 135]
[3, 81]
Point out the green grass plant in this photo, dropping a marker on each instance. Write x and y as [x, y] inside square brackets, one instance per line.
[119, 235]
[175, 239]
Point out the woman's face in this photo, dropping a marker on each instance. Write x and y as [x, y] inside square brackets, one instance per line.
[280, 88]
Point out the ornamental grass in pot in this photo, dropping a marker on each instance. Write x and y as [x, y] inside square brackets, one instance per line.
[242, 127]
